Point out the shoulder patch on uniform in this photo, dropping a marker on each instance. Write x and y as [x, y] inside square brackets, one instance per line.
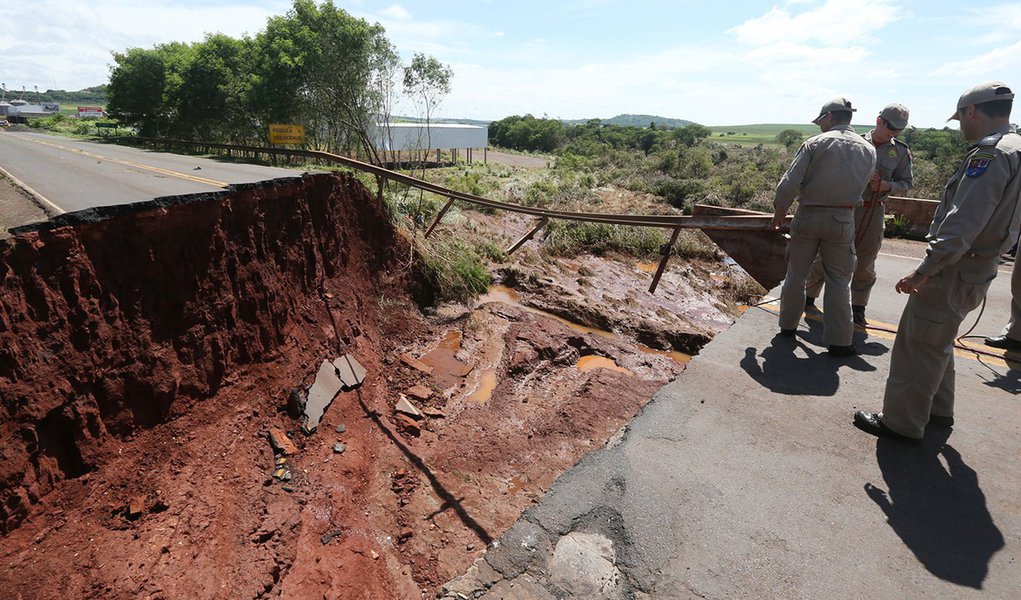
[990, 140]
[978, 164]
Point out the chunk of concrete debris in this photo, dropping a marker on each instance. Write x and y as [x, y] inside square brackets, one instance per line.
[351, 373]
[416, 364]
[339, 448]
[320, 395]
[420, 391]
[281, 443]
[405, 406]
[340, 428]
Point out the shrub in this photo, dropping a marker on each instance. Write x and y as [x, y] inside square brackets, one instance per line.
[569, 238]
[897, 226]
[455, 269]
[678, 192]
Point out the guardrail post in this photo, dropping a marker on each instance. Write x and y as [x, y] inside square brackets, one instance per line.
[436, 222]
[542, 223]
[665, 251]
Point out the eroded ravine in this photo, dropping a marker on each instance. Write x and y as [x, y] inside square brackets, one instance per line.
[147, 351]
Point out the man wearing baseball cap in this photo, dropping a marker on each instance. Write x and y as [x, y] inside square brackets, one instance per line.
[826, 178]
[977, 219]
[892, 175]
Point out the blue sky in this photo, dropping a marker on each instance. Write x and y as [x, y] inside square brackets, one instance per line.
[724, 64]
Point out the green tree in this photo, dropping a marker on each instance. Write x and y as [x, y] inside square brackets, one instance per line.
[691, 135]
[321, 67]
[212, 100]
[136, 88]
[427, 83]
[789, 138]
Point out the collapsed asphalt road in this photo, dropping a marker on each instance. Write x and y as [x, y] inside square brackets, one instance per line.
[744, 478]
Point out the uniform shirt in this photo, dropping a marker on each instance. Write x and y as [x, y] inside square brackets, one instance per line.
[979, 212]
[893, 161]
[830, 169]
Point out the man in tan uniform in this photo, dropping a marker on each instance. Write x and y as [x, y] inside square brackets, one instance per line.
[1010, 338]
[976, 221]
[826, 178]
[892, 175]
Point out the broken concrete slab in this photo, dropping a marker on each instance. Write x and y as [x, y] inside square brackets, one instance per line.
[281, 443]
[340, 428]
[339, 448]
[416, 364]
[320, 395]
[351, 373]
[420, 392]
[405, 406]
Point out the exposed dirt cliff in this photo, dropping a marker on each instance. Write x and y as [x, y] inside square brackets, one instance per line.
[114, 320]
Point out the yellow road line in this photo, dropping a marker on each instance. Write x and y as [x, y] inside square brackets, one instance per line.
[886, 331]
[161, 171]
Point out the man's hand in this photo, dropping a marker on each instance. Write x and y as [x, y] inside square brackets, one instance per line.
[878, 185]
[778, 221]
[911, 283]
[876, 180]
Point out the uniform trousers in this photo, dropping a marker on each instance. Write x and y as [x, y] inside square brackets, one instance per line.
[828, 233]
[921, 380]
[1013, 328]
[868, 239]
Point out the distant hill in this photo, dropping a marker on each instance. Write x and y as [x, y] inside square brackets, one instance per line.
[397, 119]
[92, 95]
[634, 121]
[622, 120]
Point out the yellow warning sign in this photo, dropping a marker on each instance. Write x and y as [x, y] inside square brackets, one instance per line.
[286, 134]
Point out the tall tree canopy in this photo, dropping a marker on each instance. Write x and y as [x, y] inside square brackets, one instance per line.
[316, 65]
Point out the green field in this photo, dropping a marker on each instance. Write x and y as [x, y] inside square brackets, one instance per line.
[751, 135]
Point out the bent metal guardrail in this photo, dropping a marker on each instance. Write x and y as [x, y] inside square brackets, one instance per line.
[745, 235]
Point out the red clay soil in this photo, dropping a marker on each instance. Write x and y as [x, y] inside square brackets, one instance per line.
[147, 351]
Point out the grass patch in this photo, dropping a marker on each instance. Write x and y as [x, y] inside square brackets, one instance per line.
[456, 270]
[569, 238]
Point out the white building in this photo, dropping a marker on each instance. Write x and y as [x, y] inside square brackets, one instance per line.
[402, 137]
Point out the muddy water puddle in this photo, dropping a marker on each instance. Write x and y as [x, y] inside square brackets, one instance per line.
[591, 362]
[502, 293]
[487, 383]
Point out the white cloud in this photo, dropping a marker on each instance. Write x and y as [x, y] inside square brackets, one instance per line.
[69, 45]
[834, 23]
[995, 63]
[396, 12]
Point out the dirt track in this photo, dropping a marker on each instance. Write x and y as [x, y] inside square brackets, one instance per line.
[16, 208]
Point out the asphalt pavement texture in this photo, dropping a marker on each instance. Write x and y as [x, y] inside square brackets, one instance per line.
[745, 478]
